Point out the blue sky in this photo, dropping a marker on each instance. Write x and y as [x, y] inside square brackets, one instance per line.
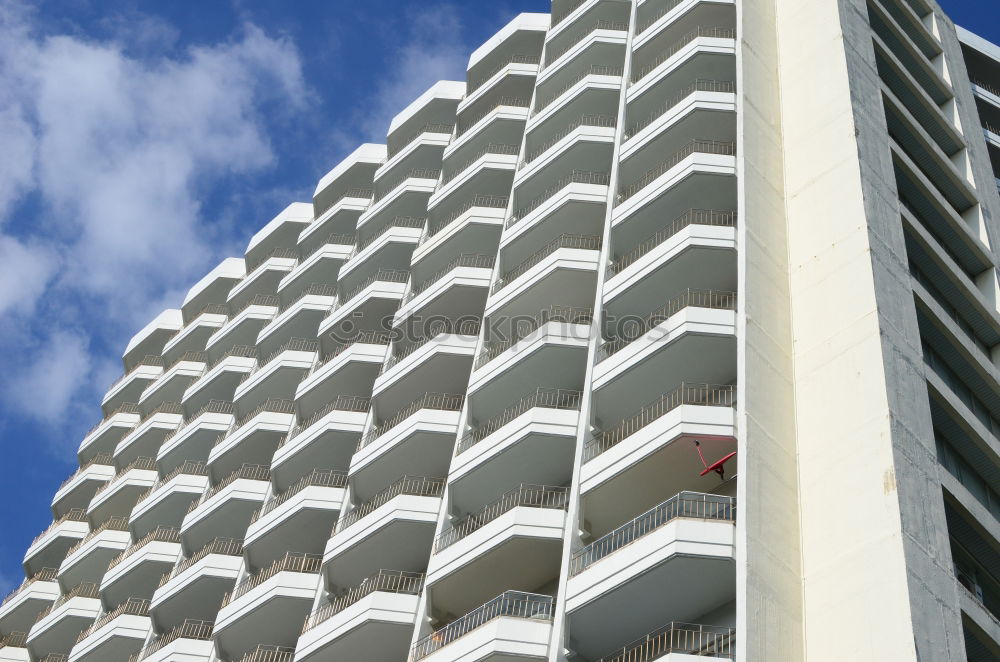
[142, 142]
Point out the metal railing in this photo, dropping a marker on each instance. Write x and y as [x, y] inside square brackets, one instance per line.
[706, 395]
[523, 496]
[280, 253]
[189, 629]
[699, 85]
[56, 657]
[466, 123]
[149, 359]
[712, 217]
[336, 238]
[478, 200]
[670, 51]
[492, 148]
[175, 408]
[131, 607]
[575, 177]
[43, 575]
[248, 471]
[616, 26]
[605, 121]
[392, 223]
[564, 12]
[273, 405]
[660, 10]
[355, 403]
[293, 345]
[382, 275]
[545, 398]
[102, 458]
[439, 401]
[686, 505]
[464, 327]
[269, 654]
[290, 562]
[224, 546]
[245, 351]
[525, 326]
[383, 581]
[989, 87]
[411, 485]
[269, 300]
[159, 534]
[696, 146]
[74, 515]
[116, 523]
[684, 638]
[123, 408]
[317, 477]
[191, 357]
[313, 289]
[189, 467]
[14, 640]
[473, 260]
[83, 590]
[141, 463]
[416, 173]
[712, 299]
[361, 193]
[577, 241]
[544, 101]
[511, 604]
[482, 79]
[398, 145]
[363, 338]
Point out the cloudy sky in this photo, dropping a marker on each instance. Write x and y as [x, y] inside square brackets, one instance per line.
[142, 142]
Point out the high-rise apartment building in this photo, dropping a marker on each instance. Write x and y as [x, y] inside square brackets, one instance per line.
[673, 332]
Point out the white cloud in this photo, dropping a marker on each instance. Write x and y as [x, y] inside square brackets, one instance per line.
[61, 367]
[30, 268]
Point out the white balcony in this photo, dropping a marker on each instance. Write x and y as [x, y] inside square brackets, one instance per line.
[599, 42]
[477, 555]
[421, 148]
[271, 605]
[195, 587]
[594, 90]
[515, 77]
[470, 229]
[138, 569]
[220, 379]
[131, 385]
[277, 376]
[705, 52]
[116, 635]
[103, 437]
[675, 562]
[679, 642]
[363, 309]
[488, 171]
[321, 265]
[194, 336]
[213, 288]
[77, 490]
[13, 647]
[191, 641]
[329, 436]
[665, 26]
[389, 248]
[150, 340]
[264, 277]
[511, 626]
[253, 440]
[456, 291]
[57, 628]
[502, 122]
[405, 197]
[299, 518]
[119, 496]
[349, 369]
[298, 319]
[243, 326]
[226, 509]
[438, 365]
[280, 233]
[585, 144]
[88, 560]
[533, 439]
[393, 530]
[346, 180]
[146, 438]
[49, 547]
[168, 500]
[21, 607]
[194, 441]
[418, 440]
[373, 621]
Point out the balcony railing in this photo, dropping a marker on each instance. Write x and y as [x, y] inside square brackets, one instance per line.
[56, 657]
[555, 54]
[670, 51]
[410, 485]
[544, 398]
[314, 289]
[223, 546]
[575, 177]
[290, 562]
[123, 408]
[525, 326]
[566, 8]
[704, 395]
[383, 581]
[14, 640]
[117, 523]
[479, 200]
[131, 607]
[317, 477]
[245, 351]
[605, 121]
[544, 101]
[159, 534]
[165, 408]
[74, 515]
[189, 467]
[293, 345]
[277, 253]
[686, 505]
[190, 357]
[511, 604]
[712, 299]
[472, 260]
[439, 401]
[84, 590]
[267, 300]
[693, 147]
[357, 192]
[394, 222]
[682, 638]
[700, 85]
[141, 463]
[989, 87]
[43, 575]
[259, 472]
[354, 403]
[479, 81]
[492, 148]
[523, 496]
[269, 654]
[713, 217]
[189, 629]
[363, 338]
[382, 275]
[103, 458]
[464, 327]
[466, 123]
[576, 241]
[148, 360]
[273, 405]
[335, 239]
[399, 145]
[416, 173]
